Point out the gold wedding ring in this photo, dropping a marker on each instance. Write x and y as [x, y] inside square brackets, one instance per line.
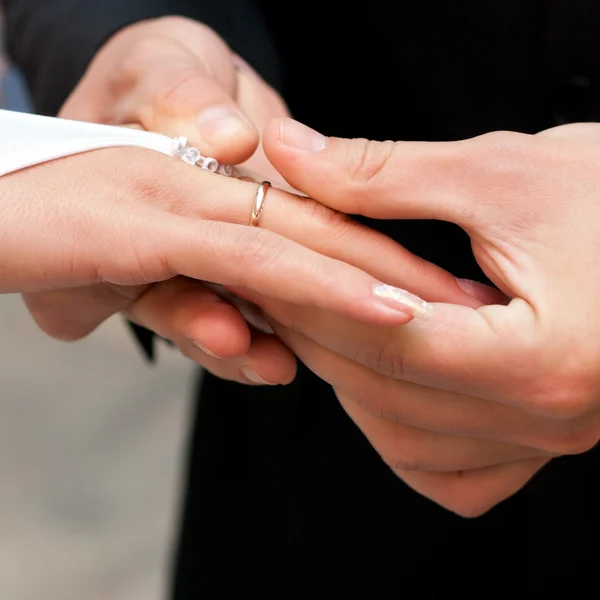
[259, 203]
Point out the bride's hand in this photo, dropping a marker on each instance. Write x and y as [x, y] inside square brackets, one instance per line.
[177, 77]
[94, 231]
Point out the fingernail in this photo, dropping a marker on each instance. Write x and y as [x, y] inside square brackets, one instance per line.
[255, 317]
[398, 298]
[254, 377]
[301, 137]
[221, 121]
[204, 349]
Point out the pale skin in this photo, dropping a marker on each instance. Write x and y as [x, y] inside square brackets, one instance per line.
[465, 403]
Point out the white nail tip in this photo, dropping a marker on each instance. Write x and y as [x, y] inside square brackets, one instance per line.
[402, 298]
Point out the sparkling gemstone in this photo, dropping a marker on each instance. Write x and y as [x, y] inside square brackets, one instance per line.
[180, 146]
[192, 156]
[210, 164]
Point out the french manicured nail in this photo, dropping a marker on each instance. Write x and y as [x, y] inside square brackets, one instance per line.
[221, 121]
[254, 377]
[204, 349]
[301, 137]
[398, 298]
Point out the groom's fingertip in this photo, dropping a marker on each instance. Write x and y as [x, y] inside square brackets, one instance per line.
[299, 136]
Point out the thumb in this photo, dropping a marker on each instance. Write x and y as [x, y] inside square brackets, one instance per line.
[185, 99]
[381, 180]
[172, 83]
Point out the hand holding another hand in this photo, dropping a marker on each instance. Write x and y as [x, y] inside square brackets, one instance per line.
[177, 77]
[138, 218]
[466, 404]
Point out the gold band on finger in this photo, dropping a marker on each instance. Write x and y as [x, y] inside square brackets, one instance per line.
[259, 203]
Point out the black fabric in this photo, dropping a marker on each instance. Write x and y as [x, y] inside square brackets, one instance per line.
[53, 41]
[286, 499]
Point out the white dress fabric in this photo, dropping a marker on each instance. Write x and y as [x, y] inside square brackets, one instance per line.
[27, 140]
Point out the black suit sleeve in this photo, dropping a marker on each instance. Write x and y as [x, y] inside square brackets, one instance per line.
[53, 41]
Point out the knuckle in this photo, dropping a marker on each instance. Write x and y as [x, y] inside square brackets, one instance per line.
[574, 439]
[555, 381]
[183, 89]
[255, 246]
[151, 186]
[136, 62]
[368, 160]
[384, 357]
[142, 179]
[564, 393]
[498, 144]
[500, 141]
[499, 153]
[331, 223]
[180, 85]
[558, 402]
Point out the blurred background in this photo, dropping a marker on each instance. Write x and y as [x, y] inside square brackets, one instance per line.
[91, 442]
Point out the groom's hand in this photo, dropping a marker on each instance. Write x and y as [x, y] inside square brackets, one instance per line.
[467, 404]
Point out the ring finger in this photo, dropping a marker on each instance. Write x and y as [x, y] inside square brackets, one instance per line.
[319, 228]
